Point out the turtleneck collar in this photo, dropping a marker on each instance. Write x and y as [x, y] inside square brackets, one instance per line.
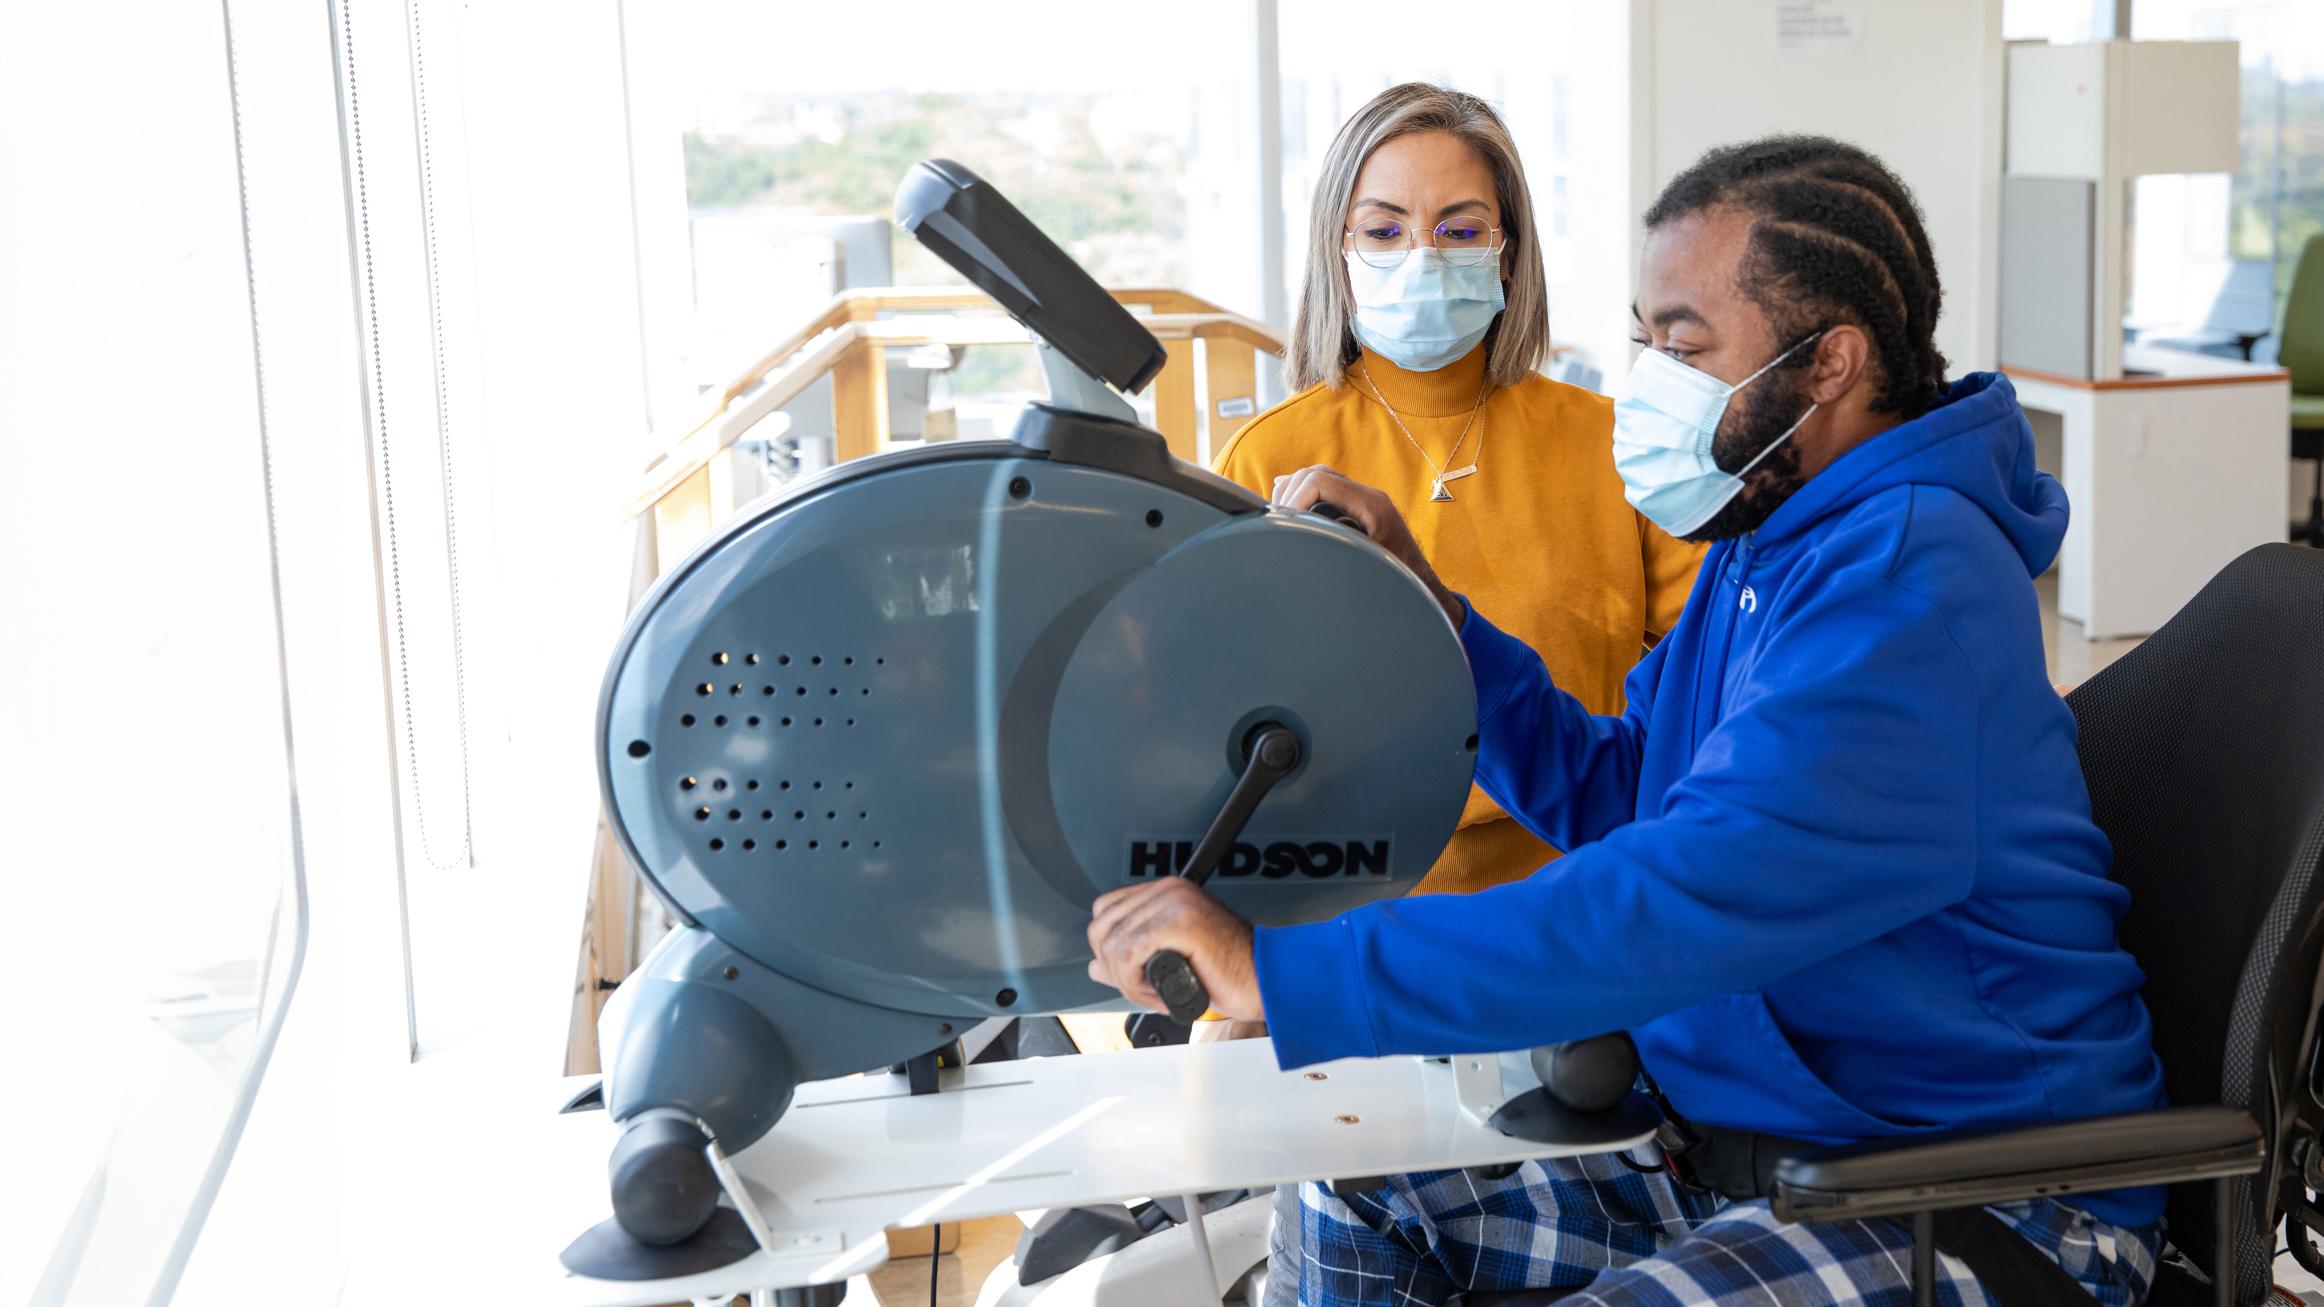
[1449, 391]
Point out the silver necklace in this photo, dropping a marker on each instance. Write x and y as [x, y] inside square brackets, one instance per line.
[1437, 493]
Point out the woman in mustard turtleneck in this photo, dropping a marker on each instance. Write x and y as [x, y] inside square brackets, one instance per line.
[1422, 321]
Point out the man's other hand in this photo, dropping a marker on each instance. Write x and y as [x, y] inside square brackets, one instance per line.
[1375, 513]
[1128, 926]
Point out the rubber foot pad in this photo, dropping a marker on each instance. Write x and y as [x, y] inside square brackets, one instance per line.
[607, 1252]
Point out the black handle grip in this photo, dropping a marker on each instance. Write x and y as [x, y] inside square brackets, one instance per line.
[1172, 976]
[1274, 754]
[1330, 511]
[968, 224]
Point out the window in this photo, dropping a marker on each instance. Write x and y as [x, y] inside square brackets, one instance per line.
[149, 793]
[2251, 226]
[1146, 166]
[804, 119]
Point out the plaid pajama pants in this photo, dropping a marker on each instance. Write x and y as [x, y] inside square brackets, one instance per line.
[1638, 1239]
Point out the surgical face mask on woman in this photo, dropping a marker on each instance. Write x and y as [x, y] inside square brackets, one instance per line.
[1424, 311]
[1663, 437]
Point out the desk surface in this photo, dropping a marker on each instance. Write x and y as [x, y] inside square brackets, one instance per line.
[2151, 367]
[492, 1183]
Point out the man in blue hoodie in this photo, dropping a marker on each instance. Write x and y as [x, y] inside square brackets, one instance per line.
[1833, 869]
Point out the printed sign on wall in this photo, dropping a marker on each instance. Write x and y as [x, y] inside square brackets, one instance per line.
[1818, 26]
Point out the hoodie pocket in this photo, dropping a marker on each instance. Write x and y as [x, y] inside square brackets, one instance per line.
[1786, 1077]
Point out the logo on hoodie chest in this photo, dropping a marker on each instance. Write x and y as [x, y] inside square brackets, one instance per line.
[1750, 601]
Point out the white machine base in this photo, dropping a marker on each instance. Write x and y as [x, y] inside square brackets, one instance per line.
[858, 1156]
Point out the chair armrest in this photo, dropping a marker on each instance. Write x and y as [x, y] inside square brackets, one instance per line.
[1971, 1168]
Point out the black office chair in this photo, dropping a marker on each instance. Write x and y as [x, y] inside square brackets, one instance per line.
[2236, 318]
[2201, 749]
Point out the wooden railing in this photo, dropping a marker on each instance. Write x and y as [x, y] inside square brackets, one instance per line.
[1206, 391]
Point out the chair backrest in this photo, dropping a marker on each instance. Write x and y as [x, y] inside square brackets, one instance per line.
[2300, 346]
[2204, 752]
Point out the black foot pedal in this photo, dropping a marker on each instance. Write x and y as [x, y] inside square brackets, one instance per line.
[1065, 1237]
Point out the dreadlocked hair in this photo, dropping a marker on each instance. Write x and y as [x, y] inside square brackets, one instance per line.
[1835, 237]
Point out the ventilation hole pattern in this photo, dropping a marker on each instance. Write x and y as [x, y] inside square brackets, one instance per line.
[797, 675]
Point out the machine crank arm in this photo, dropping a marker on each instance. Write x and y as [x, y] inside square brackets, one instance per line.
[1274, 754]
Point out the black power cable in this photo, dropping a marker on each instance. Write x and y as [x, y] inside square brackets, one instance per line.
[935, 1251]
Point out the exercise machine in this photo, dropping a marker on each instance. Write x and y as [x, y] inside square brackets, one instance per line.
[879, 743]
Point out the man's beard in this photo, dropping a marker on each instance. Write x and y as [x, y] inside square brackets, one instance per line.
[1770, 407]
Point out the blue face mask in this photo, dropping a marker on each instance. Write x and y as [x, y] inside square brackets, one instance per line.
[1424, 312]
[1662, 440]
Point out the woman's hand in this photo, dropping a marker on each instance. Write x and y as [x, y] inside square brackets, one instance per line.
[1128, 926]
[1375, 513]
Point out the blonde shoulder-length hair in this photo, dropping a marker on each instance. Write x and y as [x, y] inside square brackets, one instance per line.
[1322, 341]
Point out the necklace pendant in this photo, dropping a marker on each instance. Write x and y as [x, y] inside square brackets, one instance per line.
[1438, 493]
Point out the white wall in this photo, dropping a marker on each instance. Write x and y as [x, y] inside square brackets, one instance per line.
[1921, 88]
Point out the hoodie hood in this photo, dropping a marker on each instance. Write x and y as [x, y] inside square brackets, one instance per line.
[1976, 443]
